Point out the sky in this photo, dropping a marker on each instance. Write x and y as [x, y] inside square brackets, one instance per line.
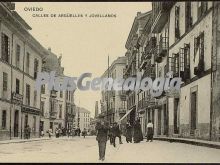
[84, 43]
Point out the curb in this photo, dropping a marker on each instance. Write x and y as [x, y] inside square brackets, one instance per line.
[22, 141]
[189, 141]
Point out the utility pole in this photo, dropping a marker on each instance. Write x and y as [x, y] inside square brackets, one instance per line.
[108, 91]
[78, 115]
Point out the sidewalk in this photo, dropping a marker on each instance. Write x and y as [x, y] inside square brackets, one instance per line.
[205, 143]
[23, 140]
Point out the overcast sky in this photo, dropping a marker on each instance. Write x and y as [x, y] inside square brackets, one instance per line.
[83, 42]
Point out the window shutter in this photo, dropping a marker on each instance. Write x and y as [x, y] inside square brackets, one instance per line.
[182, 59]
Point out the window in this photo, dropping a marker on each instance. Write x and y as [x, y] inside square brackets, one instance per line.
[27, 94]
[4, 119]
[199, 46]
[188, 18]
[34, 123]
[5, 81]
[5, 48]
[43, 89]
[61, 94]
[27, 62]
[35, 98]
[60, 111]
[36, 64]
[176, 64]
[177, 27]
[42, 108]
[18, 52]
[17, 86]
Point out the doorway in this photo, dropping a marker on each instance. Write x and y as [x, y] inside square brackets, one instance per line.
[159, 122]
[16, 122]
[176, 116]
[193, 112]
[165, 119]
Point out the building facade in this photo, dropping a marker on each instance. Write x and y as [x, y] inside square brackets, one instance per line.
[82, 119]
[114, 101]
[20, 60]
[57, 107]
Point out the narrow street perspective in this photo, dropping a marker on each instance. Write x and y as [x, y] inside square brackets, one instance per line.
[116, 82]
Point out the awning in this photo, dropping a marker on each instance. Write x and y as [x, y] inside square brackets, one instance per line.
[125, 115]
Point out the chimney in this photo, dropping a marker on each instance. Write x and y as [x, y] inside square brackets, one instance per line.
[49, 49]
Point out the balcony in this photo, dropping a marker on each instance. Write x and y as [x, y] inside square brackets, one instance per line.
[53, 93]
[199, 70]
[163, 46]
[18, 98]
[121, 111]
[160, 15]
[53, 114]
[185, 75]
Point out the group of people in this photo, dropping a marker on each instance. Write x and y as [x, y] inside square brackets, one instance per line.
[135, 132]
[105, 132]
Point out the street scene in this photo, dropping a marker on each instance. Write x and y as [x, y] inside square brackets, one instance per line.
[121, 82]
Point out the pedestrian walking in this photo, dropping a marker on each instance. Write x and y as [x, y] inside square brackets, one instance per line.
[110, 134]
[50, 132]
[150, 131]
[116, 133]
[28, 131]
[102, 137]
[128, 133]
[57, 133]
[42, 133]
[84, 133]
[138, 136]
[79, 132]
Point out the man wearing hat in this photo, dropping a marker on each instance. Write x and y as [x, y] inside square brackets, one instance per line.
[116, 133]
[102, 136]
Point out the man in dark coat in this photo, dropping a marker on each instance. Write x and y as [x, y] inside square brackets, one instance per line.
[110, 134]
[116, 133]
[128, 133]
[102, 137]
[138, 136]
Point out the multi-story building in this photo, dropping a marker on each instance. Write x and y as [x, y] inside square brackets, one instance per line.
[190, 53]
[82, 119]
[114, 101]
[57, 107]
[20, 60]
[133, 54]
[184, 32]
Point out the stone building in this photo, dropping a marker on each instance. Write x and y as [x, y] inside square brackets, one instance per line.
[133, 55]
[20, 60]
[114, 101]
[82, 119]
[57, 107]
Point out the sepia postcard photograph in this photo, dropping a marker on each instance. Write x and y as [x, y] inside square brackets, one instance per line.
[110, 82]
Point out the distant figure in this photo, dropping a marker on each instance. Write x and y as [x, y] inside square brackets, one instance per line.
[57, 132]
[128, 133]
[26, 132]
[102, 137]
[150, 131]
[29, 131]
[42, 133]
[138, 136]
[84, 133]
[79, 132]
[110, 134]
[50, 132]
